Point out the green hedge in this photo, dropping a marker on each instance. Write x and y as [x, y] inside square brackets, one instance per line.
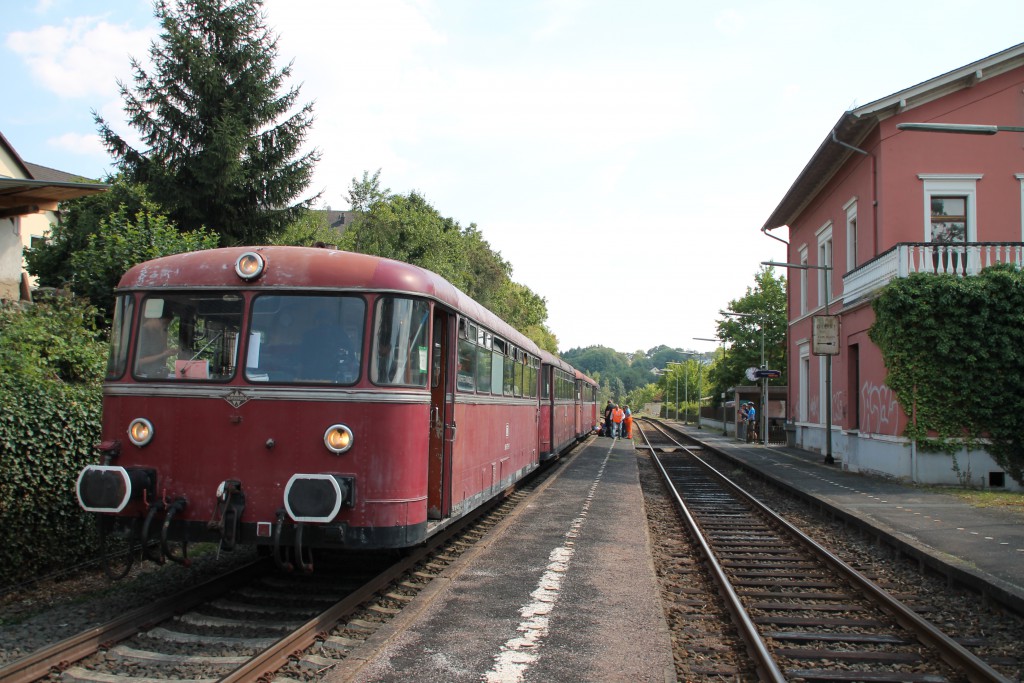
[51, 365]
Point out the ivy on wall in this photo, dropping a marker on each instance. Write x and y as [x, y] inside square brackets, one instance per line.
[51, 367]
[954, 351]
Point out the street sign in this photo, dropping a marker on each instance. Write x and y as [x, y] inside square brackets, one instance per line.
[769, 374]
[825, 338]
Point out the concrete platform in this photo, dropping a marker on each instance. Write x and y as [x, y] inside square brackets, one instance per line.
[564, 592]
[980, 547]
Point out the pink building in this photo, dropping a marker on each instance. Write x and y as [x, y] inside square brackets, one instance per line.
[863, 205]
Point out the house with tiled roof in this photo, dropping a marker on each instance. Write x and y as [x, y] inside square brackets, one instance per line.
[29, 195]
[880, 200]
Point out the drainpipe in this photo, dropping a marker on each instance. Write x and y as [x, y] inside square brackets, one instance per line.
[874, 188]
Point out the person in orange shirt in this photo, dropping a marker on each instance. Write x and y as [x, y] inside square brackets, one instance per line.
[627, 423]
[618, 415]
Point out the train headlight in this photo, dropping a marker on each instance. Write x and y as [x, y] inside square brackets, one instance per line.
[249, 265]
[338, 438]
[140, 431]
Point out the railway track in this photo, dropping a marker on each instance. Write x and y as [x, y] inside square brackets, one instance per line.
[256, 624]
[798, 611]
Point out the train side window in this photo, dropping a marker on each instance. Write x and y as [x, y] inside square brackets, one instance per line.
[400, 329]
[510, 371]
[117, 358]
[497, 366]
[518, 387]
[466, 377]
[483, 363]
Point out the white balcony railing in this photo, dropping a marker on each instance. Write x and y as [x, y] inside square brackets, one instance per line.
[928, 257]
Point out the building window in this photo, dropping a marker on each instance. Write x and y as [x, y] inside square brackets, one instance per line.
[803, 281]
[1020, 178]
[823, 397]
[824, 259]
[851, 234]
[948, 219]
[805, 371]
[950, 208]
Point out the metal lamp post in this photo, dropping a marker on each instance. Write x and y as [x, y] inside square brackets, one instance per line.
[828, 358]
[725, 430]
[677, 388]
[700, 383]
[764, 381]
[968, 128]
[686, 387]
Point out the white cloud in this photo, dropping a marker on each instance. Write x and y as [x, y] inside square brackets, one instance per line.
[77, 144]
[80, 57]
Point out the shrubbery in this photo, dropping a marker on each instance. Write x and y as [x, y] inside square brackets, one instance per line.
[954, 352]
[52, 359]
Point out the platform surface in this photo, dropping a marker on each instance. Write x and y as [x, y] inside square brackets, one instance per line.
[565, 592]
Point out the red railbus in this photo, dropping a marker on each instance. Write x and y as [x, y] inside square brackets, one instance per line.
[301, 398]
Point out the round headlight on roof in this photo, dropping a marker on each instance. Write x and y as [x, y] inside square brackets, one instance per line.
[338, 438]
[140, 431]
[249, 265]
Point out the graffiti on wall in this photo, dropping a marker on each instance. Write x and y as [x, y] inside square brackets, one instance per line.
[881, 410]
[838, 406]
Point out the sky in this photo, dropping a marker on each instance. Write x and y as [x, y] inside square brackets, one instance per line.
[622, 155]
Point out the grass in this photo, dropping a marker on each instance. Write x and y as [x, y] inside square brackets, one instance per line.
[1006, 500]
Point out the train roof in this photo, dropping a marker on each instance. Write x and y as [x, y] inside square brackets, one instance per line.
[312, 269]
[552, 359]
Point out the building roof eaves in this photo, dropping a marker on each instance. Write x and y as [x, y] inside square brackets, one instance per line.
[855, 125]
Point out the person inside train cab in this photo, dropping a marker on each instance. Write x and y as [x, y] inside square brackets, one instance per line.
[328, 355]
[153, 350]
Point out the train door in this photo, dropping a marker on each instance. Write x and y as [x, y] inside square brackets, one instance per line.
[441, 412]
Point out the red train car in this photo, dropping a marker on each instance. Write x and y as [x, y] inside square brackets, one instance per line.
[557, 407]
[586, 409]
[296, 398]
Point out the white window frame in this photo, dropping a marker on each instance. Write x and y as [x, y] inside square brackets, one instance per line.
[804, 352]
[1020, 177]
[803, 280]
[851, 233]
[823, 366]
[950, 184]
[825, 258]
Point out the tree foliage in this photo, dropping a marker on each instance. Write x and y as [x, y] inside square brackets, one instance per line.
[124, 240]
[51, 360]
[408, 228]
[954, 352]
[763, 307]
[308, 230]
[79, 219]
[222, 142]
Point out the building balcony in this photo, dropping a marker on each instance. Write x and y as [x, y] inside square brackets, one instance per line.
[905, 258]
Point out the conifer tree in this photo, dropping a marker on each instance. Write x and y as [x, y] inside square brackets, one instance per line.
[222, 140]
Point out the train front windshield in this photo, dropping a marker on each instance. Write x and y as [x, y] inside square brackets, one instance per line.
[184, 336]
[198, 337]
[315, 339]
